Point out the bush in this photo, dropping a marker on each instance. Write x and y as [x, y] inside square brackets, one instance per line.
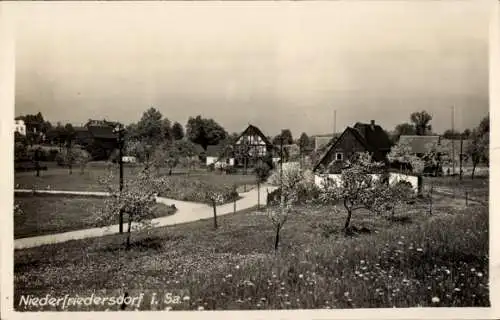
[293, 177]
[196, 190]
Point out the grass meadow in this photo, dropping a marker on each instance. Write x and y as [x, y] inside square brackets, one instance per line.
[412, 260]
[48, 214]
[186, 186]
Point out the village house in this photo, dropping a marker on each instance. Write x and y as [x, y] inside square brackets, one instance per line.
[98, 138]
[450, 150]
[19, 127]
[354, 140]
[249, 147]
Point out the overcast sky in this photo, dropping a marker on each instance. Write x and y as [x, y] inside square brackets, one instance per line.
[273, 64]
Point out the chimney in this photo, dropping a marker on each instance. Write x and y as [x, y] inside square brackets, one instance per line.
[372, 124]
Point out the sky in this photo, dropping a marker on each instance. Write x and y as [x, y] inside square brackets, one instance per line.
[272, 64]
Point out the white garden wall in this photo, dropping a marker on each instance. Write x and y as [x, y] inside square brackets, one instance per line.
[211, 160]
[393, 178]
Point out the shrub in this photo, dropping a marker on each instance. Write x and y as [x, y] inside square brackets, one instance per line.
[196, 190]
[294, 177]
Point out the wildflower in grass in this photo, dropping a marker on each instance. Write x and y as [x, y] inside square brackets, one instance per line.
[301, 276]
[435, 300]
[447, 271]
[420, 249]
[258, 305]
[200, 308]
[480, 274]
[186, 298]
[473, 270]
[457, 289]
[346, 294]
[237, 267]
[168, 308]
[229, 276]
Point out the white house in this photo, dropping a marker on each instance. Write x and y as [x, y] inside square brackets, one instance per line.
[129, 159]
[20, 127]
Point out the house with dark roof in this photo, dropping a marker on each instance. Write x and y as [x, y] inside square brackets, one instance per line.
[360, 138]
[97, 138]
[450, 150]
[419, 145]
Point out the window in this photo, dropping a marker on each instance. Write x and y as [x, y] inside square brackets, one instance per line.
[339, 156]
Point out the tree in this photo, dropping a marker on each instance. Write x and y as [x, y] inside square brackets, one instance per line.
[177, 131]
[166, 129]
[303, 145]
[450, 134]
[434, 157]
[137, 201]
[151, 129]
[82, 157]
[204, 132]
[261, 170]
[357, 189]
[70, 137]
[421, 121]
[478, 149]
[402, 154]
[404, 129]
[466, 134]
[285, 135]
[174, 153]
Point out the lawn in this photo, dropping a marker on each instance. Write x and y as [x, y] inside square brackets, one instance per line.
[413, 260]
[187, 187]
[53, 214]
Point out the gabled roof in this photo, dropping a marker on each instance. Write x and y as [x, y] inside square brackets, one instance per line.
[420, 144]
[102, 132]
[348, 129]
[375, 137]
[372, 137]
[253, 130]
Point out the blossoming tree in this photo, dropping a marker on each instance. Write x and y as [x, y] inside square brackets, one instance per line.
[137, 201]
[360, 186]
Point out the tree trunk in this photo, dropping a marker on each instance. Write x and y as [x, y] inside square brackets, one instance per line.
[37, 167]
[258, 195]
[474, 164]
[128, 231]
[70, 169]
[349, 215]
[277, 238]
[215, 214]
[170, 171]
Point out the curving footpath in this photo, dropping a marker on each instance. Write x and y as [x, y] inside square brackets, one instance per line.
[186, 212]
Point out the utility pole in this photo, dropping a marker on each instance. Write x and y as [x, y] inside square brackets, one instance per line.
[453, 140]
[120, 130]
[461, 152]
[282, 202]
